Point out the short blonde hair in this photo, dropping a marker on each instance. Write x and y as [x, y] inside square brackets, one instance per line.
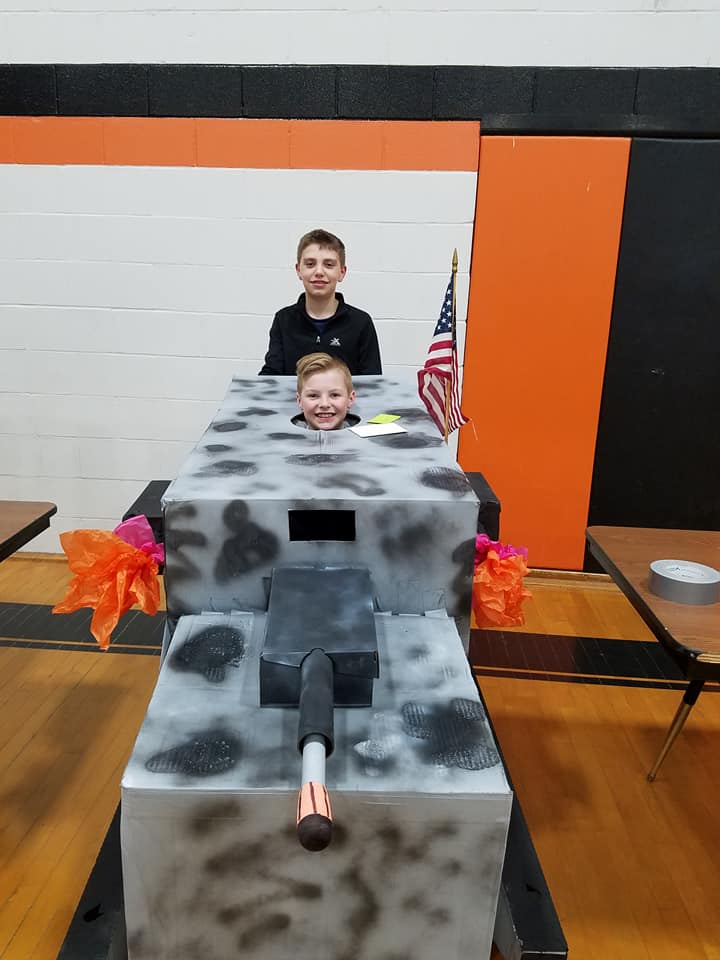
[318, 363]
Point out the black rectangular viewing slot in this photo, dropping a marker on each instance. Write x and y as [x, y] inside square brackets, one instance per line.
[321, 525]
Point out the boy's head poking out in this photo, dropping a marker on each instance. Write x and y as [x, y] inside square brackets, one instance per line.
[324, 391]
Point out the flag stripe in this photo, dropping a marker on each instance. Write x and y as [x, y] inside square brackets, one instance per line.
[440, 367]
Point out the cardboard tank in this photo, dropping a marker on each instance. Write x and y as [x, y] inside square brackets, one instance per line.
[315, 776]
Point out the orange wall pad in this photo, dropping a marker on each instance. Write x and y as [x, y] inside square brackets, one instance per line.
[547, 231]
[279, 144]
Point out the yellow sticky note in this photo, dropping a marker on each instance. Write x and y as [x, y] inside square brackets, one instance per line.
[384, 418]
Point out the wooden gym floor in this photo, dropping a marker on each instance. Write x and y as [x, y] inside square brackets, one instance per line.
[580, 697]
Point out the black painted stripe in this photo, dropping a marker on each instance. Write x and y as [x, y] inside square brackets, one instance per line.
[31, 625]
[593, 660]
[645, 101]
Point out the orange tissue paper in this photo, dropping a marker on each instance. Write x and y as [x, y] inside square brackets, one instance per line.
[111, 576]
[498, 591]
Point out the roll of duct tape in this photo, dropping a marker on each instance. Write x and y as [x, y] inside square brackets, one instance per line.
[684, 581]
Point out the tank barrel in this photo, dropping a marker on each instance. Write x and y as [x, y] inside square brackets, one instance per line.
[315, 707]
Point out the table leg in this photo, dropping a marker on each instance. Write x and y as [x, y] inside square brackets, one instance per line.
[686, 704]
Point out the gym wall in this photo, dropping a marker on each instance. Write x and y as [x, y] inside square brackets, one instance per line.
[151, 197]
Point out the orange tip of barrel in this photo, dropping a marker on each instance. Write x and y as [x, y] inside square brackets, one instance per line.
[314, 817]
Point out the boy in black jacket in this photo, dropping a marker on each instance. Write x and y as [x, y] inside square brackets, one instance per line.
[321, 320]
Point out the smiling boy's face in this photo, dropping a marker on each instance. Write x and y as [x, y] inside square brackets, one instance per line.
[324, 400]
[320, 271]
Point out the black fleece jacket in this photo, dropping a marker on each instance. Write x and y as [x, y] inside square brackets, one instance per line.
[349, 334]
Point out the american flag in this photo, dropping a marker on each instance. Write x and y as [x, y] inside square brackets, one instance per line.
[440, 367]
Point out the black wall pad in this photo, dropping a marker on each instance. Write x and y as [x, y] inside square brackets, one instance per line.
[645, 101]
[562, 91]
[102, 89]
[657, 459]
[27, 89]
[471, 93]
[489, 516]
[385, 93]
[197, 90]
[293, 92]
[592, 125]
[679, 91]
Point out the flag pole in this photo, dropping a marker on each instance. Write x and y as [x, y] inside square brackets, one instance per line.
[448, 384]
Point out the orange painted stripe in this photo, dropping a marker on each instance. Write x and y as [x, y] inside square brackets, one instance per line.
[277, 144]
[345, 144]
[7, 142]
[245, 143]
[437, 145]
[547, 230]
[161, 141]
[57, 140]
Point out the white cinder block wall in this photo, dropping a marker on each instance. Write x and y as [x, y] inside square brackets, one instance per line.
[128, 296]
[529, 32]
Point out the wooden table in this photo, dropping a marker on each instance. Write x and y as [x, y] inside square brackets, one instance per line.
[20, 521]
[690, 634]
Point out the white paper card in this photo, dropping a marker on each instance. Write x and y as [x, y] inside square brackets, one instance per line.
[377, 429]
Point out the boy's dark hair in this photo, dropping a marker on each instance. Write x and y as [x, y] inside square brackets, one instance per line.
[323, 238]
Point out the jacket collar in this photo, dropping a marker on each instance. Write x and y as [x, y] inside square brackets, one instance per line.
[340, 312]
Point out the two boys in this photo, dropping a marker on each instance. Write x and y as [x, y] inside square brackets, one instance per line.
[321, 321]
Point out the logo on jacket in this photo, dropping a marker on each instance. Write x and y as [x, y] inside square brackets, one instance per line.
[334, 342]
[317, 339]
